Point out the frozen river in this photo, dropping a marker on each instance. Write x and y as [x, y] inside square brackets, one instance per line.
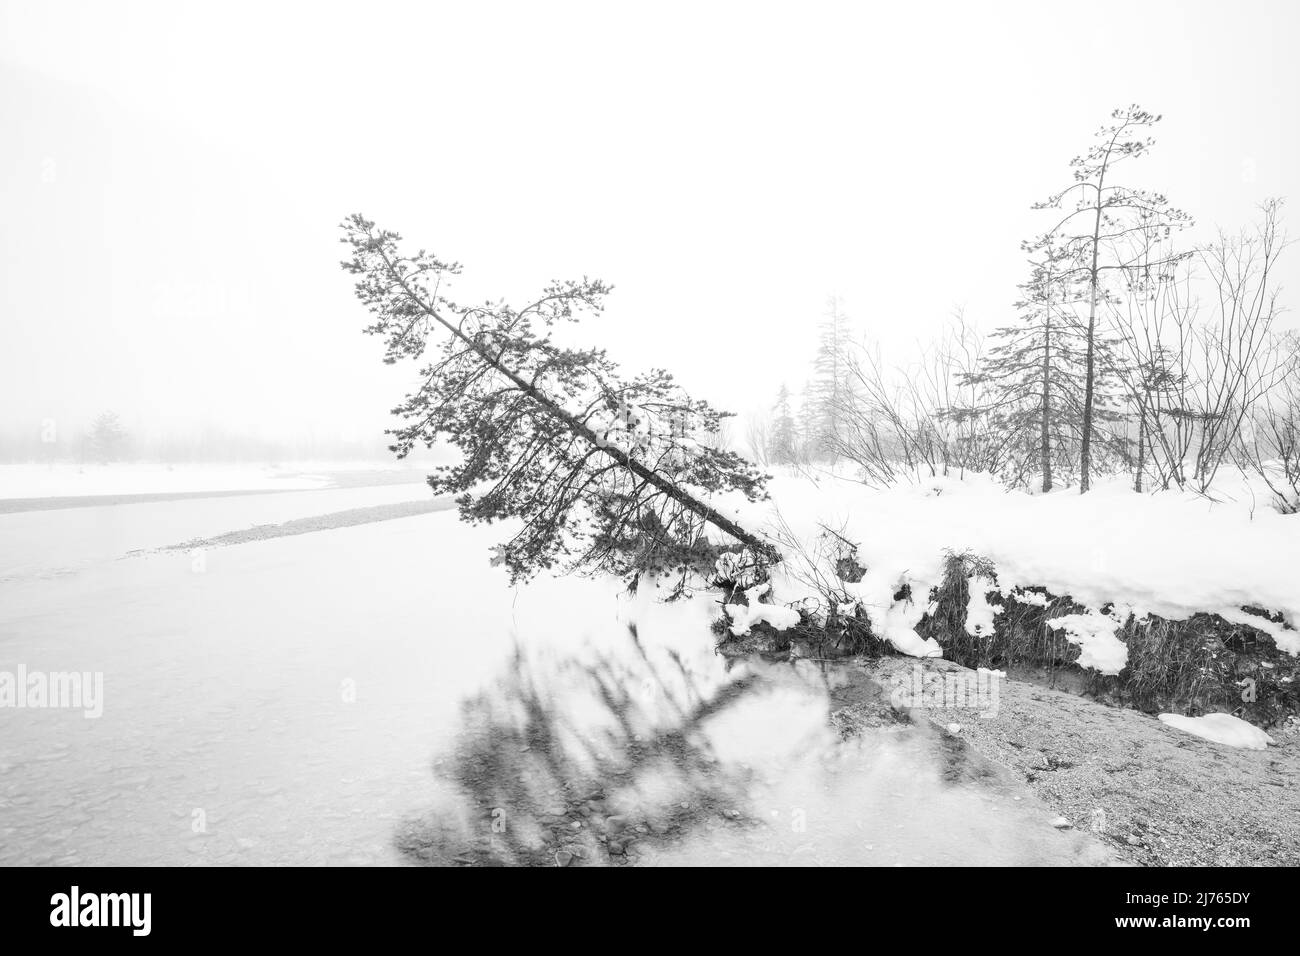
[378, 694]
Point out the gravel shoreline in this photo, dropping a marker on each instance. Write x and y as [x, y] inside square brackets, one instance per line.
[1157, 796]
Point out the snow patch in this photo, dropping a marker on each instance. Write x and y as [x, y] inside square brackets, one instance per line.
[1030, 598]
[1221, 729]
[1099, 648]
[979, 612]
[1284, 637]
[743, 616]
[895, 619]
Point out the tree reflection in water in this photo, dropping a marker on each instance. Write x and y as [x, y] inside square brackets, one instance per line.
[597, 758]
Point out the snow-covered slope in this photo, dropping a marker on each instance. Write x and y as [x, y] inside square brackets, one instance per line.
[1170, 554]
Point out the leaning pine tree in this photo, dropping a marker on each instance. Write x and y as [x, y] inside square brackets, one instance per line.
[604, 473]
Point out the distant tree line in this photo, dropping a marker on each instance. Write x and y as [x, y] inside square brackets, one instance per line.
[106, 440]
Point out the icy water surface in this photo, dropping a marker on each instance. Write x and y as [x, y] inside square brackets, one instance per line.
[377, 694]
[57, 542]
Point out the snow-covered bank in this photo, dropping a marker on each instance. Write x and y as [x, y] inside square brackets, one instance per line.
[1169, 554]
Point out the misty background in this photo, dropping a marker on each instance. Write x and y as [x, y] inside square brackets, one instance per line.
[173, 176]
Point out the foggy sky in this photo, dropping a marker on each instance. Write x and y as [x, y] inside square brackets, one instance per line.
[173, 176]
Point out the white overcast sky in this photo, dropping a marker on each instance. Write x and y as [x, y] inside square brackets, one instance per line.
[173, 175]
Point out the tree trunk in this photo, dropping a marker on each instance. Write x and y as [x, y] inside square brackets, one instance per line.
[1085, 451]
[689, 501]
[1142, 447]
[1045, 427]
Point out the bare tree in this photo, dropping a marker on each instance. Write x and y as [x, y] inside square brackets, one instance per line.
[930, 416]
[1271, 444]
[1154, 331]
[758, 437]
[1240, 354]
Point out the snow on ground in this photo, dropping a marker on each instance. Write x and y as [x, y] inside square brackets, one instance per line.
[1221, 729]
[70, 480]
[745, 616]
[980, 611]
[1172, 554]
[1095, 635]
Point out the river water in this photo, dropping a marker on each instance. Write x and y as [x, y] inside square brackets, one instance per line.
[378, 695]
